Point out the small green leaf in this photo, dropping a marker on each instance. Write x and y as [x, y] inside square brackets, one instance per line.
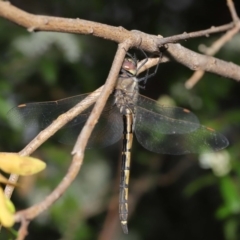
[230, 194]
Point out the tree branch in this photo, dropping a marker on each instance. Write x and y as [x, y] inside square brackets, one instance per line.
[196, 61]
[217, 45]
[57, 24]
[148, 42]
[201, 33]
[233, 11]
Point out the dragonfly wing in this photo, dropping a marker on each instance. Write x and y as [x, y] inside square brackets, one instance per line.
[34, 117]
[160, 123]
[164, 118]
[203, 139]
[107, 131]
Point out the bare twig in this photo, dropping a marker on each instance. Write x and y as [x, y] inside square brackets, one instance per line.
[151, 62]
[233, 11]
[23, 232]
[196, 61]
[213, 49]
[194, 79]
[201, 33]
[216, 46]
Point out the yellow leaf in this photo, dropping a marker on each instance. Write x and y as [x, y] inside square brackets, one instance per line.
[5, 181]
[14, 163]
[10, 205]
[6, 213]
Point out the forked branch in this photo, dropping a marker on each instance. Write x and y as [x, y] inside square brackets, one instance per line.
[150, 43]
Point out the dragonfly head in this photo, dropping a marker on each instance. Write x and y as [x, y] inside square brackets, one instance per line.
[129, 67]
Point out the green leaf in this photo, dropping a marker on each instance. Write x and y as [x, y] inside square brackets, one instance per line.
[230, 194]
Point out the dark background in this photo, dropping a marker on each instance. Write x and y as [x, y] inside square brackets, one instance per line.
[184, 201]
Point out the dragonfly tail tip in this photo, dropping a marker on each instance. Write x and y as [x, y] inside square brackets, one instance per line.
[124, 227]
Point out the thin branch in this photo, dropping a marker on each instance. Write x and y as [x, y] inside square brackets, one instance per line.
[196, 61]
[217, 45]
[151, 62]
[201, 33]
[232, 10]
[35, 210]
[212, 50]
[194, 79]
[23, 231]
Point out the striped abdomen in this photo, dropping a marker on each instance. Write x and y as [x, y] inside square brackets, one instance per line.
[125, 168]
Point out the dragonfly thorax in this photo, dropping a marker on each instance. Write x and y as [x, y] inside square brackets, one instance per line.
[126, 93]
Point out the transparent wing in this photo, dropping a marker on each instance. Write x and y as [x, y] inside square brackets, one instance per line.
[167, 120]
[34, 117]
[167, 138]
[107, 131]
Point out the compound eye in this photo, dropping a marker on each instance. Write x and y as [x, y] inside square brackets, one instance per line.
[129, 65]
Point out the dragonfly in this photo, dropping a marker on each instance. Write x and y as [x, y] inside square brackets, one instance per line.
[158, 128]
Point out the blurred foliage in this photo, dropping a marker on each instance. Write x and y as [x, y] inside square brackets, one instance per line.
[192, 202]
